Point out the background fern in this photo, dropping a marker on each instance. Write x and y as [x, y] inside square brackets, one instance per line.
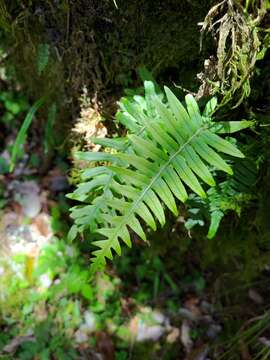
[232, 194]
[170, 151]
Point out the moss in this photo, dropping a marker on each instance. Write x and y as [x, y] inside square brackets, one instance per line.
[97, 45]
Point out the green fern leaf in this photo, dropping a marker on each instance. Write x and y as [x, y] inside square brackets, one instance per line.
[171, 151]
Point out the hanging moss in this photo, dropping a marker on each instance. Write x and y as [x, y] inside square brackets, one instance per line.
[240, 30]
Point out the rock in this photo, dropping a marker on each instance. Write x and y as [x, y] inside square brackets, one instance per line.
[58, 183]
[90, 321]
[148, 325]
[80, 336]
[145, 332]
[19, 238]
[158, 317]
[213, 331]
[27, 194]
[86, 328]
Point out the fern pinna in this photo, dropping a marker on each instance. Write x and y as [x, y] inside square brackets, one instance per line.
[169, 151]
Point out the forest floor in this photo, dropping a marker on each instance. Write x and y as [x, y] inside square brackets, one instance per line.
[146, 306]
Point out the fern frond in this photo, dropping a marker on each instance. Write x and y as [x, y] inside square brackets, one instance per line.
[171, 151]
[230, 195]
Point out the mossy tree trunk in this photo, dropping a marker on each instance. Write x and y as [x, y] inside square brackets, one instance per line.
[96, 44]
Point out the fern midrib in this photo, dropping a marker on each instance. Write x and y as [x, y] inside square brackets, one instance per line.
[145, 190]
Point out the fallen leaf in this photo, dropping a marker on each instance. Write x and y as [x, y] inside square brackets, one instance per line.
[105, 345]
[255, 296]
[185, 336]
[42, 223]
[173, 335]
[16, 342]
[192, 304]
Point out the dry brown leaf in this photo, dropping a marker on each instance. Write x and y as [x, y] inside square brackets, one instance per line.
[173, 335]
[16, 342]
[42, 223]
[192, 304]
[90, 123]
[105, 345]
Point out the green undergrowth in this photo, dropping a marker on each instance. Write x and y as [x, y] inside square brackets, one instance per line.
[50, 298]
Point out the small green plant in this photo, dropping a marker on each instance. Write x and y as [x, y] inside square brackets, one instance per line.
[42, 57]
[169, 151]
[20, 139]
[12, 104]
[51, 298]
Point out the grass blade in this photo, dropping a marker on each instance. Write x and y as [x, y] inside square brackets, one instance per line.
[20, 139]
